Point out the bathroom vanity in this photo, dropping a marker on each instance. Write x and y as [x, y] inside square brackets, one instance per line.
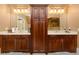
[15, 42]
[23, 42]
[60, 41]
[38, 38]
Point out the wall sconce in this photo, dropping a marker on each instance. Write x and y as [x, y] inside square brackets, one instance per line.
[56, 11]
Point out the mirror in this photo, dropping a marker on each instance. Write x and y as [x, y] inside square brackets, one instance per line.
[20, 17]
[57, 17]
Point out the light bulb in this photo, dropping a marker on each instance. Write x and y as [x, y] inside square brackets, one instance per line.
[62, 10]
[26, 10]
[15, 11]
[18, 10]
[55, 10]
[59, 11]
[51, 11]
[22, 10]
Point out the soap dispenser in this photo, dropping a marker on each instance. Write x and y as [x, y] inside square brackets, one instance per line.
[13, 29]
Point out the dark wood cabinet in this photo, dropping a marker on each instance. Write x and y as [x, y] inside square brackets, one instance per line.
[12, 43]
[54, 43]
[66, 43]
[38, 23]
[8, 43]
[70, 43]
[0, 42]
[22, 43]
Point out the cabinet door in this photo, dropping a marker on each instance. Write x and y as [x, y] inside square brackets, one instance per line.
[8, 43]
[35, 35]
[35, 28]
[22, 43]
[42, 28]
[42, 35]
[70, 43]
[54, 44]
[42, 13]
[35, 13]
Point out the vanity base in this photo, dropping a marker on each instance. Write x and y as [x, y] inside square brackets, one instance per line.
[53, 43]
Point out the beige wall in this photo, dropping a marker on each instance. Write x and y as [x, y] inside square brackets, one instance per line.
[4, 17]
[7, 17]
[73, 18]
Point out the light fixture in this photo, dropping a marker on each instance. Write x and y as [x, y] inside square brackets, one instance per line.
[56, 10]
[21, 11]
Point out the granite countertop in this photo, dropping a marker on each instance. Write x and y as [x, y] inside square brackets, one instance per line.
[15, 33]
[61, 32]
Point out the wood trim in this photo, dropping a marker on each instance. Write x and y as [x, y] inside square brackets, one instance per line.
[38, 5]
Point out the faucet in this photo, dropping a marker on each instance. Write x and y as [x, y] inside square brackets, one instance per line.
[67, 30]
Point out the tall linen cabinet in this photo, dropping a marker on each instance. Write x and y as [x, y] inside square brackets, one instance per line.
[38, 26]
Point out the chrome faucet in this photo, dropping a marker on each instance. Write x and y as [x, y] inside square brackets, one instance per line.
[67, 30]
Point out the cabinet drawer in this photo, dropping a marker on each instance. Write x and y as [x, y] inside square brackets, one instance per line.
[52, 36]
[22, 37]
[68, 37]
